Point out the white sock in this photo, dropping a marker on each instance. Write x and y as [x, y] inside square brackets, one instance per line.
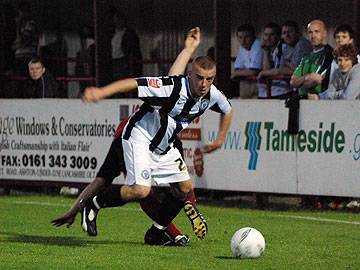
[96, 203]
[159, 226]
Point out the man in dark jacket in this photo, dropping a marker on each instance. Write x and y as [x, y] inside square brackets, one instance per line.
[41, 83]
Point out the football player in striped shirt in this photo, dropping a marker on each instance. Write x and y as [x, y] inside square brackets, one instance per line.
[114, 165]
[170, 104]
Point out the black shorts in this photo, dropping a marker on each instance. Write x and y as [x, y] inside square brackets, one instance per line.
[114, 163]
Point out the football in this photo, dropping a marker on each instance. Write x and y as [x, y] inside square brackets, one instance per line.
[247, 243]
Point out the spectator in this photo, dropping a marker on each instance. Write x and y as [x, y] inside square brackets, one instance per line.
[41, 83]
[270, 42]
[8, 30]
[343, 34]
[53, 51]
[345, 83]
[313, 72]
[285, 59]
[126, 52]
[85, 58]
[25, 47]
[248, 61]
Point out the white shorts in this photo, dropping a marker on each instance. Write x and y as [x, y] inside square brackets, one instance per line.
[143, 166]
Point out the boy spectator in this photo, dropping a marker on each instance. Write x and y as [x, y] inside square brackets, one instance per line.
[345, 83]
[248, 60]
[343, 34]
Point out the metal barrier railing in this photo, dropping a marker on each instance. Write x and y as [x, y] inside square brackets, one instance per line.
[267, 80]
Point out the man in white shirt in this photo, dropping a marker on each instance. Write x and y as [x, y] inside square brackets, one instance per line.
[248, 61]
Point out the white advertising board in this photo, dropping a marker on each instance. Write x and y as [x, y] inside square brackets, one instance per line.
[328, 160]
[258, 155]
[67, 140]
[247, 162]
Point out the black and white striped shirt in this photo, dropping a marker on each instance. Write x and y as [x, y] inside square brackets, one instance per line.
[168, 108]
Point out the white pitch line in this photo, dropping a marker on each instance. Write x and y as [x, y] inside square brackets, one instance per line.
[39, 203]
[321, 219]
[61, 205]
[132, 209]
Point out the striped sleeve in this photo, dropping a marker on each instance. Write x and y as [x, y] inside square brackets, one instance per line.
[154, 87]
[222, 104]
[154, 90]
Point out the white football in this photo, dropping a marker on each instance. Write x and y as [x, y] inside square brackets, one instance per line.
[247, 243]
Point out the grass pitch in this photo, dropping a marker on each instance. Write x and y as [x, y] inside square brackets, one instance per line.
[294, 239]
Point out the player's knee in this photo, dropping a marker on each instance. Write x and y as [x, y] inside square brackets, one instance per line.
[141, 192]
[183, 189]
[135, 192]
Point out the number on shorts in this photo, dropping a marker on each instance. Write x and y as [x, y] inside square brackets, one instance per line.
[181, 164]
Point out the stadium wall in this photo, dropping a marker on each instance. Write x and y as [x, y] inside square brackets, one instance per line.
[67, 140]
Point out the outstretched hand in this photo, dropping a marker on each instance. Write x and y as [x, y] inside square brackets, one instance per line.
[211, 147]
[67, 218]
[92, 94]
[193, 38]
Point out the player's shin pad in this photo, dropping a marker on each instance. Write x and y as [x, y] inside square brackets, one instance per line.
[197, 220]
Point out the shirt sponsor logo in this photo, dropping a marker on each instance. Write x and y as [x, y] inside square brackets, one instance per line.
[156, 83]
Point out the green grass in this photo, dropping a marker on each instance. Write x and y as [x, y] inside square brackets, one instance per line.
[28, 241]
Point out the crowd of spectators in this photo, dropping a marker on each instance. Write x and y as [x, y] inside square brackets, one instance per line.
[274, 65]
[24, 44]
[283, 61]
[310, 68]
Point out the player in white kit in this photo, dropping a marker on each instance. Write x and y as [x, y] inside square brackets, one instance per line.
[170, 104]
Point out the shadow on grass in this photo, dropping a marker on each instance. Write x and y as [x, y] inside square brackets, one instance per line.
[225, 258]
[11, 237]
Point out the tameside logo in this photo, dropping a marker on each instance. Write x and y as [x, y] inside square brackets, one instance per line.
[322, 140]
[253, 142]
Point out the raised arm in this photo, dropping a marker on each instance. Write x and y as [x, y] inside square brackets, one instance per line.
[225, 122]
[93, 94]
[192, 42]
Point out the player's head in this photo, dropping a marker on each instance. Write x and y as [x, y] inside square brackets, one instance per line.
[201, 75]
[245, 34]
[346, 57]
[317, 33]
[36, 68]
[344, 34]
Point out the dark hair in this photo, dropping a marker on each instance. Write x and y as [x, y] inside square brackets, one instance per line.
[86, 31]
[274, 27]
[347, 50]
[205, 62]
[34, 60]
[346, 29]
[246, 28]
[292, 24]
